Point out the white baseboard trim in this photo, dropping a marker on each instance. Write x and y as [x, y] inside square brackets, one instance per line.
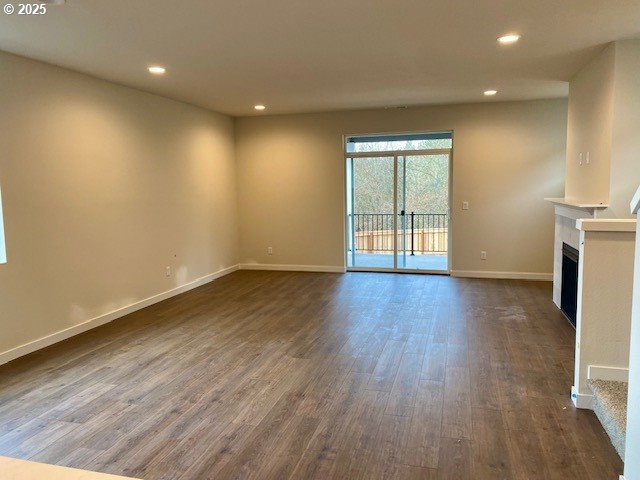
[546, 277]
[49, 340]
[617, 374]
[292, 268]
[455, 273]
[581, 400]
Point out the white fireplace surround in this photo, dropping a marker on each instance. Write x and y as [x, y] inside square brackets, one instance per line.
[566, 215]
[605, 281]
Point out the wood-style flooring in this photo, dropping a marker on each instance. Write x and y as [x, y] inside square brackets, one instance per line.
[271, 375]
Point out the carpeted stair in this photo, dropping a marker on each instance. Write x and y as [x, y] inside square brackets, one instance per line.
[610, 407]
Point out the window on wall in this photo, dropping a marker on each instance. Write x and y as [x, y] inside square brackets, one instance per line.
[3, 250]
[388, 143]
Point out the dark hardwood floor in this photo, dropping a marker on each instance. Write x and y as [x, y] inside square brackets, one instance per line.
[273, 375]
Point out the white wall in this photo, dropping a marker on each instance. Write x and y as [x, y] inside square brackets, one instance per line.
[604, 112]
[625, 155]
[632, 448]
[103, 186]
[604, 302]
[590, 125]
[507, 157]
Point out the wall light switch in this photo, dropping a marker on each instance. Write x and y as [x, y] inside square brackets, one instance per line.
[588, 159]
[465, 205]
[168, 271]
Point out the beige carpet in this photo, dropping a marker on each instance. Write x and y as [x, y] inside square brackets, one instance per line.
[611, 409]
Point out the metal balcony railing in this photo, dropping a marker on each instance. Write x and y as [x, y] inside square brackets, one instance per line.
[417, 233]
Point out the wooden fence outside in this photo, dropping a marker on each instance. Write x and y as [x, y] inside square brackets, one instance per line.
[425, 241]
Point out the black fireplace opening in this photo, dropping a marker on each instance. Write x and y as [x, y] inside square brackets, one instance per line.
[569, 292]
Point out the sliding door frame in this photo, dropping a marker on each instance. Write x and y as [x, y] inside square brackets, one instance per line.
[350, 157]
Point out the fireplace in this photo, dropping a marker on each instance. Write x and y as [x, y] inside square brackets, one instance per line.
[569, 292]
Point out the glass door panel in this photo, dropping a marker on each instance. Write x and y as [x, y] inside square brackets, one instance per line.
[370, 212]
[422, 186]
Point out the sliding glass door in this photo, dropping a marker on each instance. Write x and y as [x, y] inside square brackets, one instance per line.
[423, 206]
[398, 207]
[371, 220]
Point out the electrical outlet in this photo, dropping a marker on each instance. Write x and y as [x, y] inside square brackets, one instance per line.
[465, 205]
[269, 250]
[588, 159]
[483, 255]
[168, 271]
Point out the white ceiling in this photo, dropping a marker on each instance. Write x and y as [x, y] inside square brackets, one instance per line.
[302, 56]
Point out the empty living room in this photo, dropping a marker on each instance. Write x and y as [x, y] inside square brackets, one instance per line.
[296, 240]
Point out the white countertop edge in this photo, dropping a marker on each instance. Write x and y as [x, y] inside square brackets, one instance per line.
[15, 469]
[606, 224]
[582, 206]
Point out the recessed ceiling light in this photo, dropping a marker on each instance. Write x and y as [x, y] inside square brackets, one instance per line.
[490, 93]
[259, 107]
[157, 70]
[508, 39]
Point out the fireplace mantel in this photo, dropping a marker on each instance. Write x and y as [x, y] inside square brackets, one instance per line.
[576, 208]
